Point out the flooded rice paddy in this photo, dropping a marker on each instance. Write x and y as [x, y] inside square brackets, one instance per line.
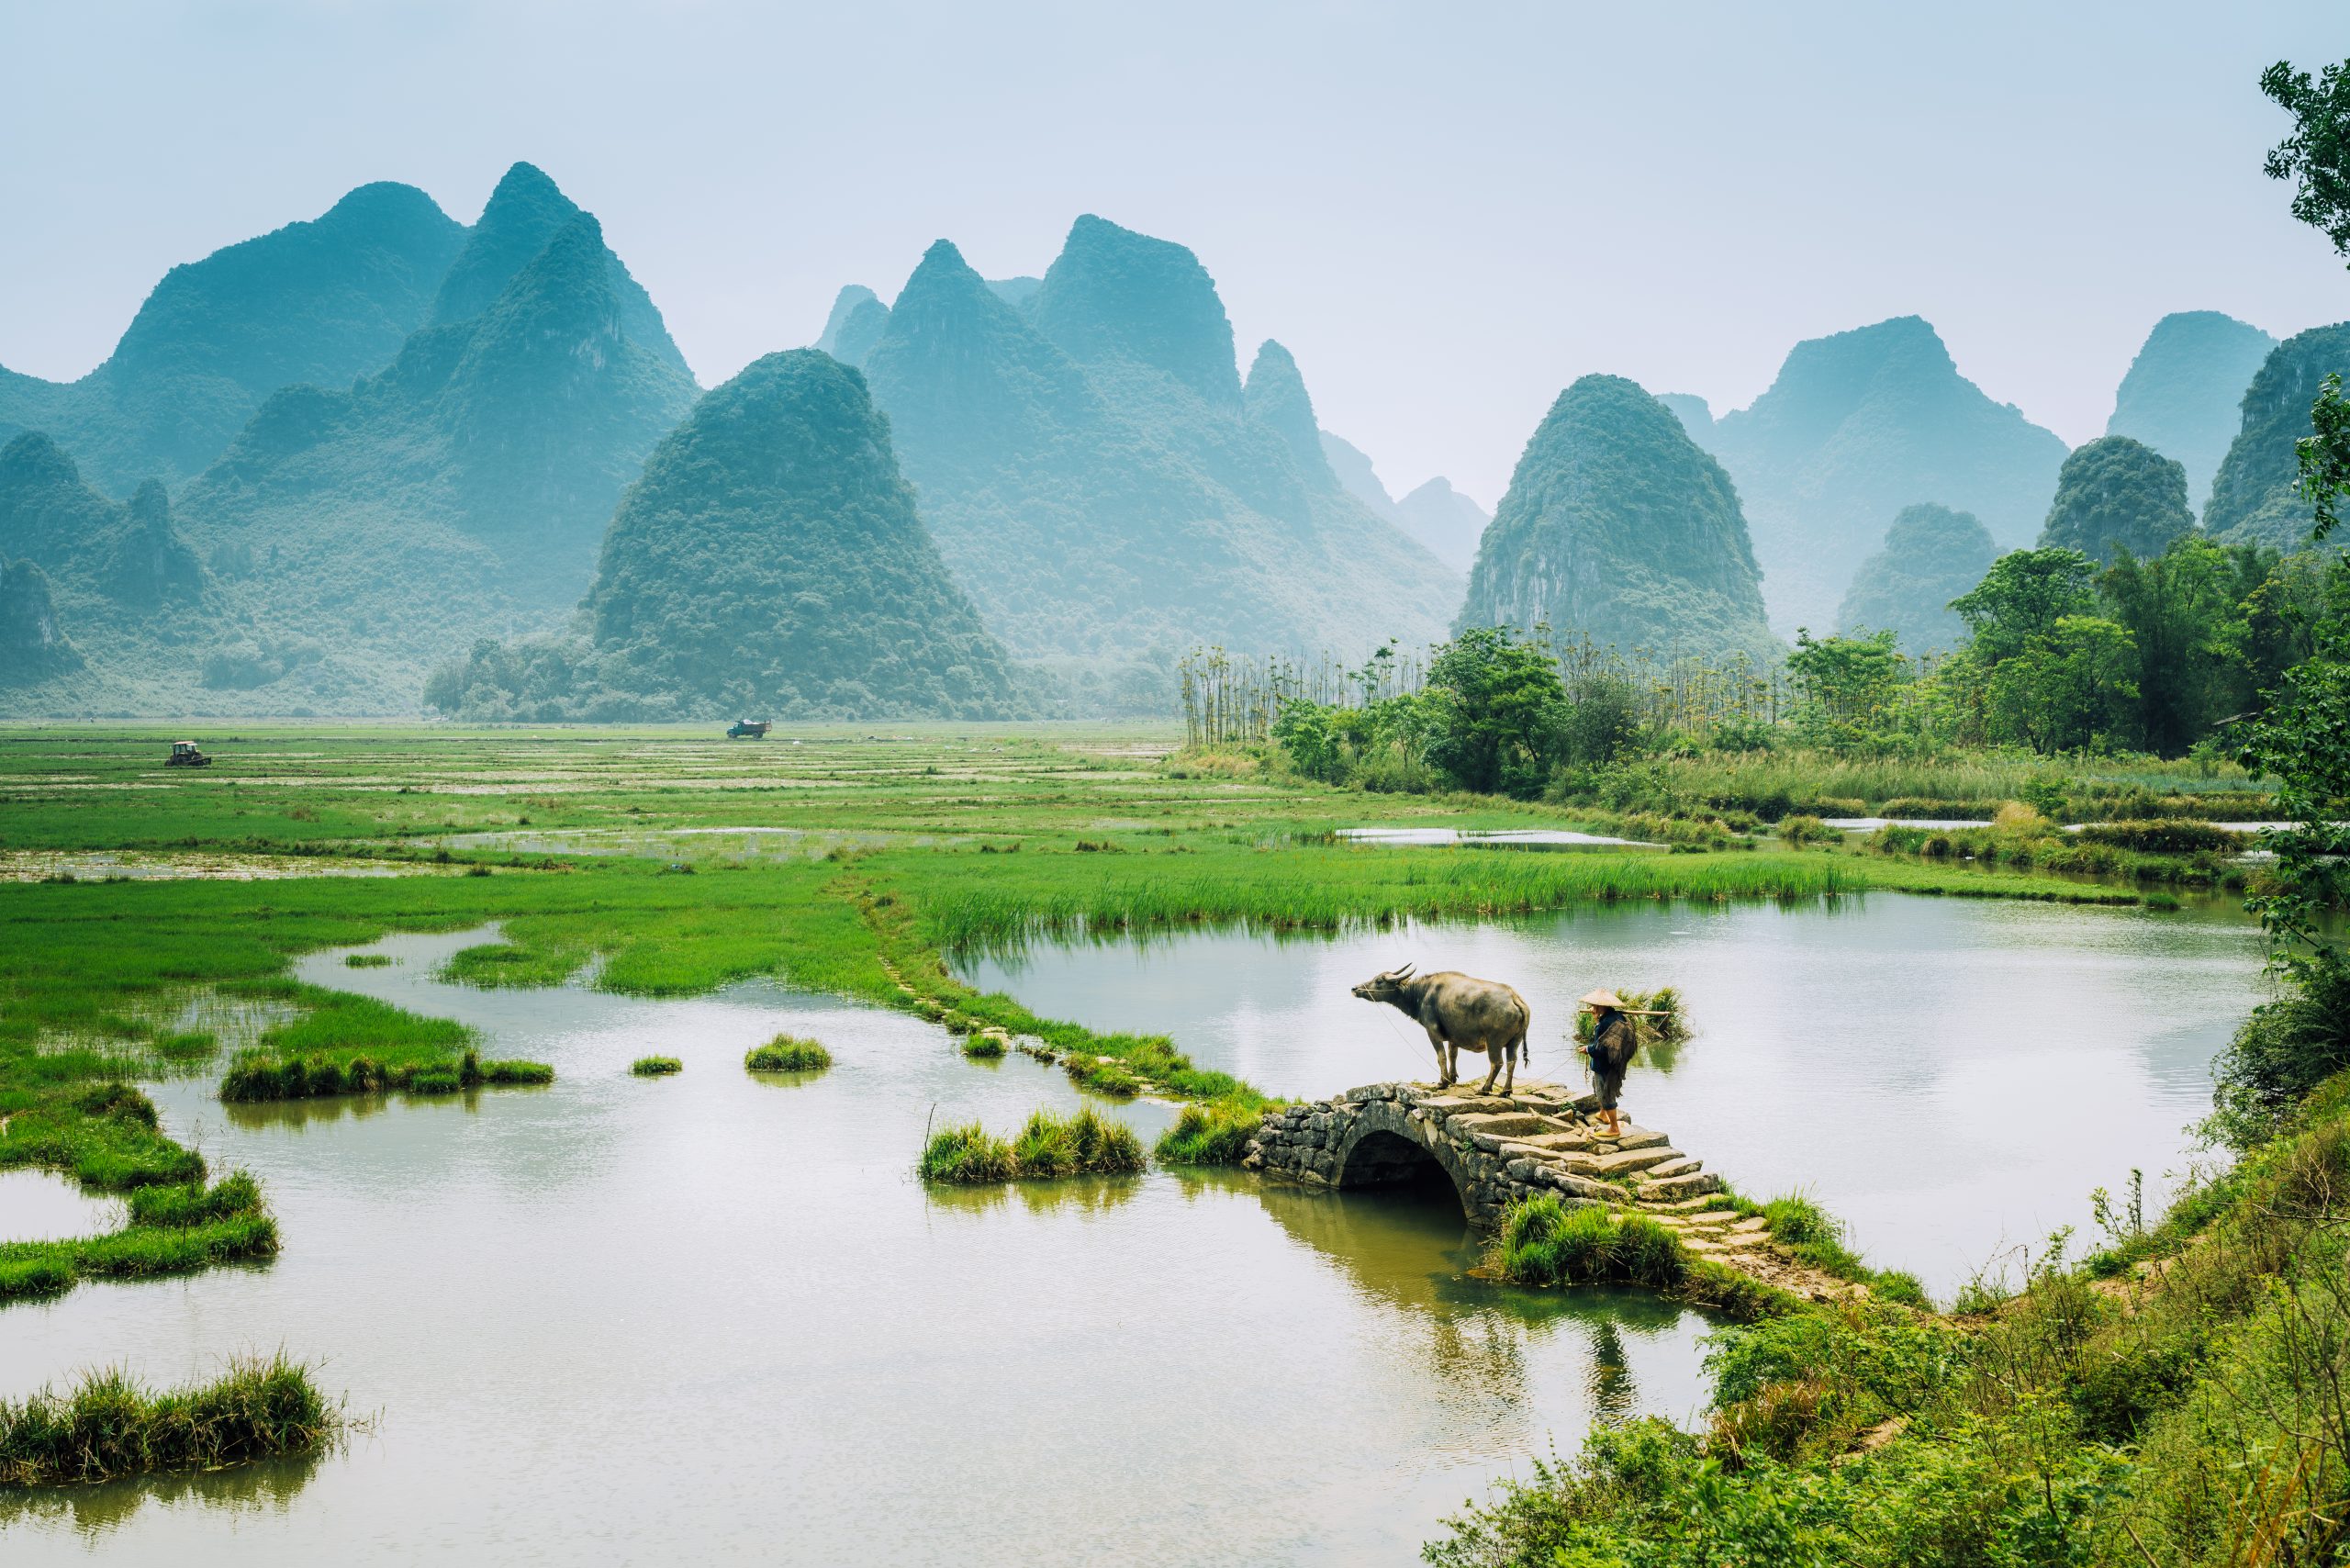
[714, 1318]
[1951, 1076]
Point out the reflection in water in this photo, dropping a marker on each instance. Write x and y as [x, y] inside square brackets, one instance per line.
[813, 1357]
[267, 1487]
[1614, 1396]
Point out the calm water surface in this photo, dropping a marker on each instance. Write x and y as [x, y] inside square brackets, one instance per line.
[1952, 1076]
[713, 1318]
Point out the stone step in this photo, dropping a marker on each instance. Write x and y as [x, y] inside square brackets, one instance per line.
[1705, 1219]
[1688, 1205]
[1687, 1186]
[1753, 1224]
[1558, 1141]
[1634, 1137]
[1502, 1124]
[1625, 1161]
[1681, 1166]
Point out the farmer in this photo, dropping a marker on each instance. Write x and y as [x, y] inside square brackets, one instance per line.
[1614, 1039]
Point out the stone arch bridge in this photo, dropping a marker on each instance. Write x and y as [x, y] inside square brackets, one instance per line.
[1495, 1150]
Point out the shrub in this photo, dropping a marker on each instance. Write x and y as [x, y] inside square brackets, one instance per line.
[656, 1067]
[788, 1053]
[1795, 832]
[1213, 1134]
[2170, 836]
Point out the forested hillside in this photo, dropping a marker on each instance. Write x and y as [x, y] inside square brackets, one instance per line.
[1100, 482]
[1617, 527]
[2184, 392]
[769, 562]
[1931, 556]
[2253, 499]
[320, 302]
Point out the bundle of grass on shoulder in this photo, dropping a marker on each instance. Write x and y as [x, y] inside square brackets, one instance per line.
[1086, 1144]
[110, 1426]
[788, 1053]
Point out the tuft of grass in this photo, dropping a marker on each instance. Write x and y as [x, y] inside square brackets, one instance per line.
[968, 1153]
[788, 1053]
[1545, 1242]
[656, 1067]
[1103, 1075]
[1049, 1144]
[367, 961]
[1216, 1133]
[1087, 1144]
[109, 1425]
[984, 1048]
[1817, 1237]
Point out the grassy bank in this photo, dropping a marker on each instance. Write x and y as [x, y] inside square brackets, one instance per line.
[109, 1426]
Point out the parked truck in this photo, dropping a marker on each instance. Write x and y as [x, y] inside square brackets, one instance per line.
[748, 730]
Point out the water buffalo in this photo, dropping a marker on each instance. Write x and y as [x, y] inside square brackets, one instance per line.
[1459, 1012]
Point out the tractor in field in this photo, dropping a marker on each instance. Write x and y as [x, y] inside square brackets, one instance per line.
[185, 755]
[748, 730]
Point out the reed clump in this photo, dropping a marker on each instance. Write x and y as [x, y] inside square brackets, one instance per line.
[109, 1425]
[788, 1053]
[987, 1047]
[656, 1067]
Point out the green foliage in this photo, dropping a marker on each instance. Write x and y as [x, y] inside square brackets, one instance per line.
[1544, 1242]
[2118, 497]
[1619, 526]
[110, 1426]
[788, 1053]
[1845, 686]
[2021, 600]
[656, 1067]
[1499, 712]
[2316, 153]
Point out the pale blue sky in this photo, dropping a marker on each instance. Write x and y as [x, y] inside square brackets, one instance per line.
[1446, 212]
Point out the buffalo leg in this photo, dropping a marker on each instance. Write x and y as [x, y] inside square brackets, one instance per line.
[1493, 1054]
[1443, 1067]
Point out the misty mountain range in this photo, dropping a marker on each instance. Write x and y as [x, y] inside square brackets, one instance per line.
[325, 462]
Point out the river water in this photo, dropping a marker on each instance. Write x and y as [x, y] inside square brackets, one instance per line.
[714, 1318]
[1952, 1077]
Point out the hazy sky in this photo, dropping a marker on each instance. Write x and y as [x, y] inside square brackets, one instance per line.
[1447, 211]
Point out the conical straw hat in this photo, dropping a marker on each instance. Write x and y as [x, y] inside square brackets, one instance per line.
[1605, 999]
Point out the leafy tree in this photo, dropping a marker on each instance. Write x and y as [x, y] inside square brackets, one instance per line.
[2022, 597]
[1845, 682]
[2186, 610]
[2068, 689]
[1499, 714]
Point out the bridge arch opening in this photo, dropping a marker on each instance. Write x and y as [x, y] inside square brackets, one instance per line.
[1390, 1162]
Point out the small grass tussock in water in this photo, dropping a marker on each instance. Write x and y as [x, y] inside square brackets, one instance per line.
[968, 1153]
[1087, 1144]
[1049, 1144]
[367, 961]
[984, 1048]
[788, 1053]
[109, 1425]
[656, 1067]
[1544, 1242]
[1216, 1133]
